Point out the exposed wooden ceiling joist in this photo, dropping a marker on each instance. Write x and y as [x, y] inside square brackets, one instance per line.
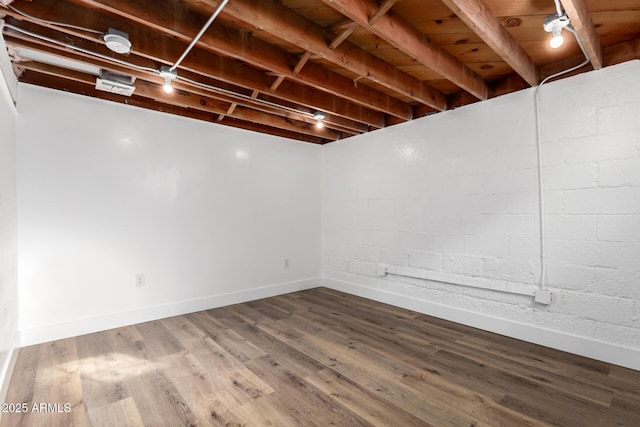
[479, 18]
[278, 20]
[17, 39]
[411, 41]
[269, 65]
[192, 100]
[157, 47]
[226, 40]
[581, 22]
[67, 85]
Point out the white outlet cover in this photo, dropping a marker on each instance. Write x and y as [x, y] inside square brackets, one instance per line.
[542, 296]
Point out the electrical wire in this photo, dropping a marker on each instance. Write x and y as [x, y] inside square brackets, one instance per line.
[54, 23]
[543, 240]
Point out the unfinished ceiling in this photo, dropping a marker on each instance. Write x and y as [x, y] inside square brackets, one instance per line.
[270, 66]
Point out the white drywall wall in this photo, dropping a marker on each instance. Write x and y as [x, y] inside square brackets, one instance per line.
[207, 213]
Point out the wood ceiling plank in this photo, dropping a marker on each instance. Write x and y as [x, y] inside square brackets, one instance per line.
[176, 20]
[479, 18]
[158, 47]
[581, 22]
[622, 52]
[412, 42]
[276, 19]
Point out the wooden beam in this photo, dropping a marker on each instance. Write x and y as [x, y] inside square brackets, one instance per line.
[275, 18]
[15, 39]
[622, 52]
[152, 47]
[276, 83]
[59, 83]
[229, 41]
[582, 23]
[188, 100]
[303, 60]
[342, 37]
[411, 41]
[479, 18]
[382, 10]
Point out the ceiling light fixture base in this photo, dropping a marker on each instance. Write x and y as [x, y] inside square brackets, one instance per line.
[117, 41]
[554, 24]
[168, 75]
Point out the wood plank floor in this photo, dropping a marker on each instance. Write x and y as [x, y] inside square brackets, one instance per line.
[314, 358]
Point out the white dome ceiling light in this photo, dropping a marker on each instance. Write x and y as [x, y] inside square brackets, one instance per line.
[117, 41]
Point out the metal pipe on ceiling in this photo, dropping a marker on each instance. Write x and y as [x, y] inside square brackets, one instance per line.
[199, 35]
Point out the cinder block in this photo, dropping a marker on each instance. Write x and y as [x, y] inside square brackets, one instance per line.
[412, 241]
[364, 268]
[462, 264]
[394, 223]
[618, 173]
[528, 249]
[570, 176]
[522, 203]
[441, 243]
[508, 182]
[600, 201]
[623, 116]
[367, 221]
[615, 146]
[395, 257]
[571, 227]
[566, 116]
[619, 228]
[337, 264]
[491, 204]
[553, 202]
[570, 277]
[601, 308]
[617, 255]
[426, 260]
[497, 246]
[520, 226]
[615, 282]
[369, 253]
[522, 157]
[519, 271]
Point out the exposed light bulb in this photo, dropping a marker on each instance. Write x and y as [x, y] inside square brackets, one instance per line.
[556, 40]
[168, 75]
[319, 116]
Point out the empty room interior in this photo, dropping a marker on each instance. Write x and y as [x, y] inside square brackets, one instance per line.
[320, 212]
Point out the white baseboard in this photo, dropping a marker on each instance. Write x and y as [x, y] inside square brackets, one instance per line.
[7, 368]
[124, 318]
[583, 346]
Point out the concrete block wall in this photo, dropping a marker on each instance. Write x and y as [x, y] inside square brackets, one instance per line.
[456, 193]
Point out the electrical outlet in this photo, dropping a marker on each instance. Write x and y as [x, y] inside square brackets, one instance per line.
[286, 263]
[140, 280]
